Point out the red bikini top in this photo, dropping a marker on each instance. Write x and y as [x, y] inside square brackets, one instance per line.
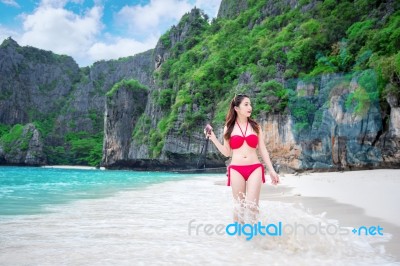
[237, 141]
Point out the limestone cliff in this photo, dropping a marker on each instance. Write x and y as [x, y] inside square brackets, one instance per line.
[340, 136]
[52, 91]
[149, 149]
[390, 139]
[33, 82]
[231, 8]
[124, 105]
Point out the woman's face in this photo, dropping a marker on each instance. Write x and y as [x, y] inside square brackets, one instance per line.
[244, 108]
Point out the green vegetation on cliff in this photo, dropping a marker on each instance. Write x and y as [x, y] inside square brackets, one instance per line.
[269, 45]
[131, 84]
[15, 140]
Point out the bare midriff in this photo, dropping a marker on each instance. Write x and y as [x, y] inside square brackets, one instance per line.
[245, 155]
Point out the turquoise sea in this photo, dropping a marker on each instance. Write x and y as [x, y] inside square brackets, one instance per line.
[27, 190]
[94, 217]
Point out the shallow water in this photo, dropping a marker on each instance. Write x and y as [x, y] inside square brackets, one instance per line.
[27, 190]
[164, 223]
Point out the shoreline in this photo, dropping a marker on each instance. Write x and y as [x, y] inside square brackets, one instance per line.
[80, 167]
[153, 166]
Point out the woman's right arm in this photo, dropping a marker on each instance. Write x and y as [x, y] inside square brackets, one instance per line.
[223, 148]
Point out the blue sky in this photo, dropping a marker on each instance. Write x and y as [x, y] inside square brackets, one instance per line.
[92, 30]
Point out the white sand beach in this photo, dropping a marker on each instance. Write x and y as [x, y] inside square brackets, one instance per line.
[80, 167]
[354, 198]
[168, 224]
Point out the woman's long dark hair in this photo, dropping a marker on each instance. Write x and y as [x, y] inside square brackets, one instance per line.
[231, 117]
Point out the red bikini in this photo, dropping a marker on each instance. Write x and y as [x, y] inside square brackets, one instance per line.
[236, 142]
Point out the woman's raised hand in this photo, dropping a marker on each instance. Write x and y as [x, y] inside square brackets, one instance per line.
[209, 134]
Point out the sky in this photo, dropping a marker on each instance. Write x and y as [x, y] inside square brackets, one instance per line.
[93, 30]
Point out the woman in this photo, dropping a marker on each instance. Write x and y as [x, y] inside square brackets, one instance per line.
[242, 137]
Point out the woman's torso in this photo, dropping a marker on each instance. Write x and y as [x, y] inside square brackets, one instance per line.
[245, 154]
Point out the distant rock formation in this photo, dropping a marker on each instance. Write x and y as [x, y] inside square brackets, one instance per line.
[25, 149]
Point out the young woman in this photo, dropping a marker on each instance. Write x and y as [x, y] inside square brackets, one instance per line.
[242, 137]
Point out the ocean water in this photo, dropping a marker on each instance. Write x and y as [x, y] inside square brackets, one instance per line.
[91, 217]
[28, 190]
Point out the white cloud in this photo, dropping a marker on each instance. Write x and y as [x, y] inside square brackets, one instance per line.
[122, 47]
[59, 3]
[10, 3]
[6, 32]
[53, 3]
[210, 7]
[61, 31]
[155, 17]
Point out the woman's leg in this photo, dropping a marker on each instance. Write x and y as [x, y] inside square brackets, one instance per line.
[238, 185]
[253, 193]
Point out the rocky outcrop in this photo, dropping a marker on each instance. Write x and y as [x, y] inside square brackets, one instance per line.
[2, 159]
[182, 35]
[33, 83]
[394, 125]
[230, 9]
[281, 142]
[390, 140]
[123, 108]
[342, 133]
[88, 99]
[186, 150]
[24, 147]
[35, 154]
[275, 8]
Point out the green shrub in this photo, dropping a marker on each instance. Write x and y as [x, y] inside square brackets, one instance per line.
[165, 98]
[4, 129]
[14, 139]
[131, 84]
[8, 139]
[85, 148]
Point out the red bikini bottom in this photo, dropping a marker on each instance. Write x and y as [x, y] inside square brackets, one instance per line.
[245, 171]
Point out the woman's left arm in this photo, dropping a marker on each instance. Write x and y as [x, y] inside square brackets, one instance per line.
[265, 156]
